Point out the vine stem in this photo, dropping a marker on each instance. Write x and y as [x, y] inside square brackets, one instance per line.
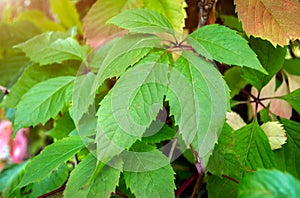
[185, 184]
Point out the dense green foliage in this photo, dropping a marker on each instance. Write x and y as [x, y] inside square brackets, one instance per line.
[144, 112]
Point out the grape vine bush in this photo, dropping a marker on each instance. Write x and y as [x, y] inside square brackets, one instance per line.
[122, 111]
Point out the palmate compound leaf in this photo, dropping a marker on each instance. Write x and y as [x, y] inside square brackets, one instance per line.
[131, 105]
[269, 183]
[198, 98]
[95, 28]
[120, 54]
[277, 21]
[43, 101]
[143, 21]
[224, 45]
[50, 159]
[103, 185]
[52, 47]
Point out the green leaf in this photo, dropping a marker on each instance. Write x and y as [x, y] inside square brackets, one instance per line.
[165, 133]
[52, 47]
[43, 101]
[224, 160]
[80, 99]
[292, 66]
[66, 12]
[130, 107]
[198, 99]
[17, 32]
[63, 125]
[234, 80]
[173, 10]
[271, 58]
[221, 187]
[146, 181]
[224, 45]
[288, 157]
[142, 21]
[253, 148]
[104, 184]
[40, 20]
[50, 159]
[11, 67]
[293, 99]
[54, 181]
[10, 177]
[34, 74]
[95, 28]
[232, 22]
[269, 183]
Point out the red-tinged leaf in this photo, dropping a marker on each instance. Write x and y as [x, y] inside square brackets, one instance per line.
[280, 107]
[294, 81]
[95, 28]
[277, 21]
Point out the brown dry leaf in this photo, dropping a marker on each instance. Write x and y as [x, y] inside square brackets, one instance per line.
[275, 133]
[95, 29]
[274, 20]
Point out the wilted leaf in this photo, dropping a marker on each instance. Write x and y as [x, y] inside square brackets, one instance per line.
[95, 28]
[277, 21]
[275, 133]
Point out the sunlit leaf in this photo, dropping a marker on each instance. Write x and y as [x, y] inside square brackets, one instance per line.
[142, 21]
[66, 12]
[234, 120]
[52, 47]
[95, 28]
[173, 10]
[277, 21]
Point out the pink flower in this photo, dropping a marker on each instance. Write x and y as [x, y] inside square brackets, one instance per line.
[12, 150]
